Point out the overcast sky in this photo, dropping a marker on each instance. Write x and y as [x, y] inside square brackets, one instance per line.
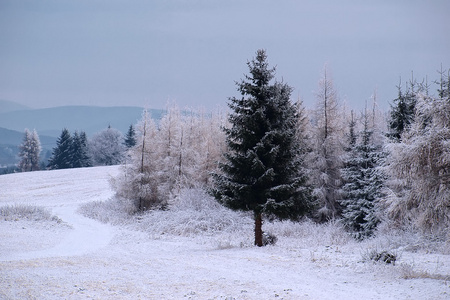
[144, 53]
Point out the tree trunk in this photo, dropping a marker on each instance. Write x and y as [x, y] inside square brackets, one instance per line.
[258, 230]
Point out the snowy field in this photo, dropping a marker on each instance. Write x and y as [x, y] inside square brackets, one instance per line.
[194, 250]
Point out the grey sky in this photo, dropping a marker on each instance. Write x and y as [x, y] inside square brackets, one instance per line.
[144, 53]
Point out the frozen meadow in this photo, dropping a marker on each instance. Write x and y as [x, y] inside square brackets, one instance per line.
[64, 236]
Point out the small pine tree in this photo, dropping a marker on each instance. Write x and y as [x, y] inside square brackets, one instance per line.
[263, 170]
[62, 154]
[130, 137]
[30, 150]
[84, 151]
[80, 157]
[363, 182]
[402, 113]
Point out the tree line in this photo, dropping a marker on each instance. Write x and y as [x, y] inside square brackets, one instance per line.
[271, 156]
[106, 147]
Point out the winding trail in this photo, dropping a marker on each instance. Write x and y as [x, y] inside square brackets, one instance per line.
[86, 235]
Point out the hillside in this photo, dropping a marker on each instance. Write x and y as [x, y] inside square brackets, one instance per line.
[9, 106]
[193, 250]
[91, 119]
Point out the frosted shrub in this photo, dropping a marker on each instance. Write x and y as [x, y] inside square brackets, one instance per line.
[114, 211]
[381, 256]
[26, 212]
[194, 212]
[311, 233]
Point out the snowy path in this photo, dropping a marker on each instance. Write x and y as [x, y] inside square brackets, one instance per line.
[86, 235]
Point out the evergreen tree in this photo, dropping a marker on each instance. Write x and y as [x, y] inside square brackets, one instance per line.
[84, 151]
[263, 170]
[80, 156]
[62, 154]
[402, 113]
[130, 137]
[30, 150]
[363, 182]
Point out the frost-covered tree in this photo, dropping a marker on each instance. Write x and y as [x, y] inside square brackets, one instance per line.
[179, 154]
[29, 152]
[140, 178]
[106, 148]
[130, 137]
[325, 158]
[62, 154]
[262, 171]
[362, 181]
[422, 162]
[80, 150]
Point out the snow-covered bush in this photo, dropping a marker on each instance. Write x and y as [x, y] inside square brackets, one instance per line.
[115, 211]
[311, 233]
[26, 212]
[383, 256]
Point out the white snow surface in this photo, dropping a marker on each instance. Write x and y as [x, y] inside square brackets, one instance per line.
[82, 258]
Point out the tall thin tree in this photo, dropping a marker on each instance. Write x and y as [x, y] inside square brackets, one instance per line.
[325, 158]
[30, 150]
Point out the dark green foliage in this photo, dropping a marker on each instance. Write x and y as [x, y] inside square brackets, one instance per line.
[62, 153]
[80, 157]
[402, 113]
[70, 151]
[363, 182]
[130, 138]
[263, 170]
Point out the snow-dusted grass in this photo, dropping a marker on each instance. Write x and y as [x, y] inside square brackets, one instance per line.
[27, 212]
[195, 249]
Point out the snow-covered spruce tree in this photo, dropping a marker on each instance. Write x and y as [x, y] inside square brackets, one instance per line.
[106, 148]
[130, 137]
[62, 154]
[362, 181]
[262, 171]
[80, 156]
[402, 112]
[422, 161]
[29, 152]
[325, 158]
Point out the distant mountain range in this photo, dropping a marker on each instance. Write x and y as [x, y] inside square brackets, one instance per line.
[8, 106]
[49, 122]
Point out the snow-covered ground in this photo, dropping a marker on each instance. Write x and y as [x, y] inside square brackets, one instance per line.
[82, 258]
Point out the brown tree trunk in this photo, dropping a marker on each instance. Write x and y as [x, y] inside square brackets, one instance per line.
[258, 230]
